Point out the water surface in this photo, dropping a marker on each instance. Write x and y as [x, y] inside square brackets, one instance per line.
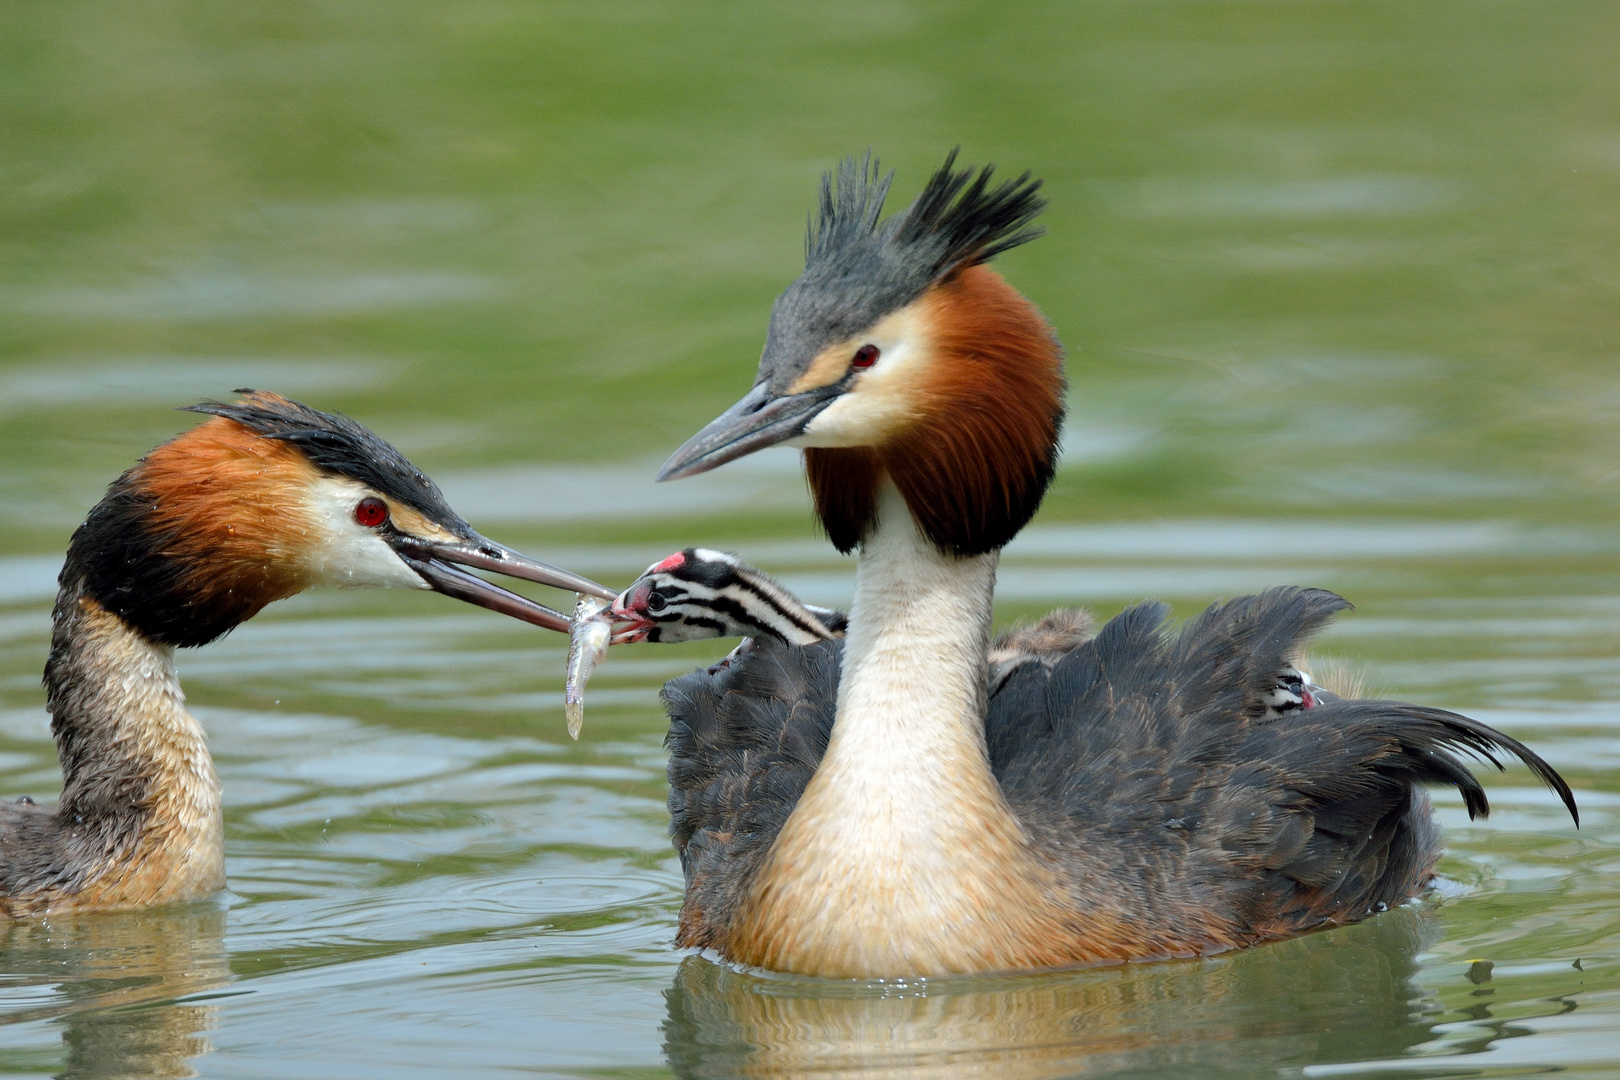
[1338, 286]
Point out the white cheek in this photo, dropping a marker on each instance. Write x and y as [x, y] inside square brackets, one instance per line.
[347, 553]
[853, 420]
[884, 399]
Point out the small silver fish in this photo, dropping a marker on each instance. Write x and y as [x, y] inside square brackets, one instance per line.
[588, 635]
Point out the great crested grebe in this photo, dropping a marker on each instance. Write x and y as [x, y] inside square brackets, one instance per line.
[877, 814]
[263, 500]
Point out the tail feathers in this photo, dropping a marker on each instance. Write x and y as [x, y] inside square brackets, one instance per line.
[1330, 799]
[1335, 754]
[1139, 698]
[1439, 767]
[1484, 741]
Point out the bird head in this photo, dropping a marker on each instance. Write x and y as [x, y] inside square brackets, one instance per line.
[698, 594]
[267, 498]
[899, 355]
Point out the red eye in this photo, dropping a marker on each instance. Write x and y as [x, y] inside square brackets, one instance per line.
[865, 356]
[371, 512]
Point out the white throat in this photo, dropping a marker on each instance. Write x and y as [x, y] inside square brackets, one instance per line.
[913, 682]
[902, 843]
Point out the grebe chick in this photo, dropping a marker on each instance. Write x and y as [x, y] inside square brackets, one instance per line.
[698, 593]
[875, 813]
[261, 501]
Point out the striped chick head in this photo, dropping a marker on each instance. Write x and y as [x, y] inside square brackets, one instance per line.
[698, 594]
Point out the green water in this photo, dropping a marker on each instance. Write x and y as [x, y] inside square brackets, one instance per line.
[1340, 284]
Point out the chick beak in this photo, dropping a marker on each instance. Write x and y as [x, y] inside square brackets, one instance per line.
[439, 564]
[759, 420]
[630, 607]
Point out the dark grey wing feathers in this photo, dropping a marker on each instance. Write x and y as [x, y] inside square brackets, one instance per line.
[743, 742]
[1149, 753]
[1141, 755]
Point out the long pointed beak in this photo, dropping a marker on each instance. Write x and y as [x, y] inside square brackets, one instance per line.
[436, 563]
[759, 420]
[488, 555]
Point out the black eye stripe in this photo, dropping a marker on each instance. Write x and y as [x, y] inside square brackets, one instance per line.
[740, 613]
[712, 624]
[690, 611]
[739, 600]
[776, 605]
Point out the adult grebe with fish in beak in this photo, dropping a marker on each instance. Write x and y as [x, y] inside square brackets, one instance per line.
[261, 501]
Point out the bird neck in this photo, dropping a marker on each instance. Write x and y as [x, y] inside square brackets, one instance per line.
[913, 683]
[140, 807]
[902, 854]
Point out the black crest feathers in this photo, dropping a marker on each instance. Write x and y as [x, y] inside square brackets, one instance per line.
[958, 220]
[968, 221]
[338, 445]
[851, 203]
[857, 269]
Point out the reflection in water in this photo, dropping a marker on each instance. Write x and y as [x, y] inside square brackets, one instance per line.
[114, 980]
[1342, 995]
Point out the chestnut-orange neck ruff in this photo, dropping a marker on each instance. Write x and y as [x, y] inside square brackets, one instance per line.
[976, 463]
[199, 536]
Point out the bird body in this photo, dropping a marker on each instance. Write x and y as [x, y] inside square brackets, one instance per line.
[1163, 807]
[885, 809]
[883, 864]
[261, 501]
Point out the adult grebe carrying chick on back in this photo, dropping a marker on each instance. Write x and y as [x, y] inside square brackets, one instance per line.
[263, 500]
[869, 808]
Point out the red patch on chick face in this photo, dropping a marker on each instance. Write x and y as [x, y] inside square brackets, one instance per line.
[675, 560]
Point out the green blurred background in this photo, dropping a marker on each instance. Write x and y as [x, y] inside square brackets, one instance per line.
[1326, 256]
[1338, 281]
